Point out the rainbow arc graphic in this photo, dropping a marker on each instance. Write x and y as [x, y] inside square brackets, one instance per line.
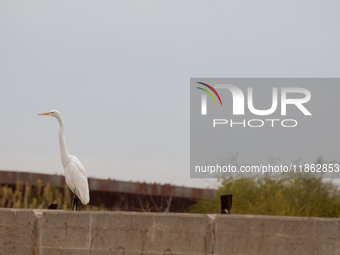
[209, 93]
[204, 97]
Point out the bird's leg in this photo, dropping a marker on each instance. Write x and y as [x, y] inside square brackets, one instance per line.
[76, 203]
[75, 200]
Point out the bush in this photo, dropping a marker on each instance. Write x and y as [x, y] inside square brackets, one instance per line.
[312, 197]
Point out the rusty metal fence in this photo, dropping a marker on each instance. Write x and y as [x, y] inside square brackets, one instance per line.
[121, 195]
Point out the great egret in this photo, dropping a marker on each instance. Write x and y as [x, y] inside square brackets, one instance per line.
[75, 174]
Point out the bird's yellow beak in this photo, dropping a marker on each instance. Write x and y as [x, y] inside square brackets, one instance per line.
[45, 113]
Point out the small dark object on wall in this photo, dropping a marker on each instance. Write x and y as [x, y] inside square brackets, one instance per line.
[52, 206]
[226, 203]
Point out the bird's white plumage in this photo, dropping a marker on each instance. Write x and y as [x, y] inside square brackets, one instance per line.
[75, 174]
[76, 180]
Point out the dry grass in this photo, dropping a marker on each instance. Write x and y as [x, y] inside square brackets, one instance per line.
[27, 196]
[39, 197]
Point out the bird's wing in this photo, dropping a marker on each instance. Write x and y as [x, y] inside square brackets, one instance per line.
[80, 166]
[78, 177]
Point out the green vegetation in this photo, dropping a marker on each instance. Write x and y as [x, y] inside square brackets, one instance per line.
[312, 197]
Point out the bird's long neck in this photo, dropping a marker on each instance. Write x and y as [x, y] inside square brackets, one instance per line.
[63, 148]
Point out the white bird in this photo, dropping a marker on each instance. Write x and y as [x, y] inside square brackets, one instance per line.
[75, 174]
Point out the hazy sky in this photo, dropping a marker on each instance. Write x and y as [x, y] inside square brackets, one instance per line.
[119, 73]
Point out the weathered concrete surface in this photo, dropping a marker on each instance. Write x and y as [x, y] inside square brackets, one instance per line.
[18, 231]
[63, 232]
[276, 235]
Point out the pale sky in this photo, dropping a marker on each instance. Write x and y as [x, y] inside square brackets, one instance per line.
[119, 73]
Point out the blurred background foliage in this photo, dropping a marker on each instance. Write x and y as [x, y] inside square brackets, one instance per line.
[287, 195]
[311, 197]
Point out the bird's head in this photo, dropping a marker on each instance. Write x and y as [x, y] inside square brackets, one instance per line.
[53, 113]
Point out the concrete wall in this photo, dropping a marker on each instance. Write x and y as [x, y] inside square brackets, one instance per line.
[63, 232]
